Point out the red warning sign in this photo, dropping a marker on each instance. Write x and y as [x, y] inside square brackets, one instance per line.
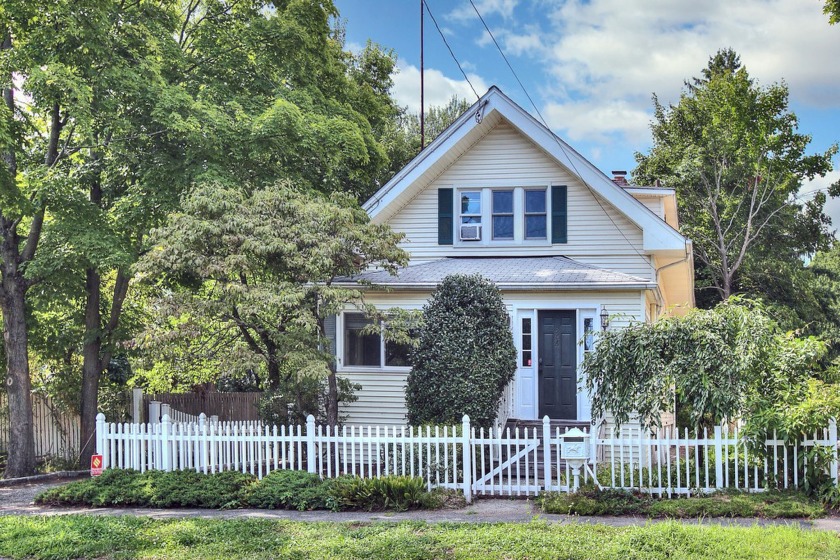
[96, 465]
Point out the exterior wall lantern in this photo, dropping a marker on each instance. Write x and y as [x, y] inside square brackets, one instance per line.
[605, 318]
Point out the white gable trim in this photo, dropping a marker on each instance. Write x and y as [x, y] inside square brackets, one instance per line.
[657, 235]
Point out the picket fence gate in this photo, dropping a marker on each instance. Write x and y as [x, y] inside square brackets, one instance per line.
[477, 461]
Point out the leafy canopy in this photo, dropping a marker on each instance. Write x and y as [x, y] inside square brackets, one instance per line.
[727, 362]
[248, 275]
[465, 356]
[732, 151]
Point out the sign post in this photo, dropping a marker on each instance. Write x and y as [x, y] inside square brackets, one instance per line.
[95, 465]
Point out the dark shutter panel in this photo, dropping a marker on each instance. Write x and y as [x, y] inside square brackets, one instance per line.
[329, 327]
[559, 214]
[445, 225]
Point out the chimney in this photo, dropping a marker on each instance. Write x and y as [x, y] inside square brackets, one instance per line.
[620, 178]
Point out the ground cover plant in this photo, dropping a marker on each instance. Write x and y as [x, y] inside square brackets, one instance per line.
[140, 537]
[771, 504]
[298, 490]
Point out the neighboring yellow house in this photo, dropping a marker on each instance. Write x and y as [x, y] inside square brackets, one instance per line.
[499, 194]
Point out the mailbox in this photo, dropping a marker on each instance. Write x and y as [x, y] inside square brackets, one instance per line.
[575, 445]
[574, 449]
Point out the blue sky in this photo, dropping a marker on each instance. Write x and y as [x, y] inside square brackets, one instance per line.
[591, 66]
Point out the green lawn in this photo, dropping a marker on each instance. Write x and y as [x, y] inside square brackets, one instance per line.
[81, 536]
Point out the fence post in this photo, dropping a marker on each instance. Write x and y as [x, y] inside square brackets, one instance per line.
[832, 441]
[310, 443]
[547, 453]
[202, 428]
[100, 433]
[166, 410]
[718, 457]
[136, 405]
[165, 447]
[154, 412]
[467, 459]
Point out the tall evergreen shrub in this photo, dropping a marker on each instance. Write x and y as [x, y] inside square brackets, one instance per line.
[465, 356]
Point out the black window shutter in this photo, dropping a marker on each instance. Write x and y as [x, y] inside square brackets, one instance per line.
[559, 214]
[445, 225]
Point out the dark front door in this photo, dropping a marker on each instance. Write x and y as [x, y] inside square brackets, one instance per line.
[557, 365]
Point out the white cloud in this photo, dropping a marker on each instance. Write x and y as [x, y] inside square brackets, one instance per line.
[598, 120]
[438, 87]
[603, 58]
[465, 11]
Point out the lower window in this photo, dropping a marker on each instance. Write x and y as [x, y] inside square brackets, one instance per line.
[365, 348]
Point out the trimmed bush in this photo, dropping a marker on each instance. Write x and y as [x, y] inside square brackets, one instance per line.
[591, 501]
[465, 357]
[126, 487]
[298, 490]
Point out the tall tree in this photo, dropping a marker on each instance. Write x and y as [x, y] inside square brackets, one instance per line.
[132, 103]
[732, 151]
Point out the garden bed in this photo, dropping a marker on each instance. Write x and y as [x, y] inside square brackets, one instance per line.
[770, 505]
[298, 490]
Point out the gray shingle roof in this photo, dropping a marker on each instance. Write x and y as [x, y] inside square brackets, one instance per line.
[506, 272]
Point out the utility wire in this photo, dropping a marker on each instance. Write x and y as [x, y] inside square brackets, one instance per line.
[445, 42]
[554, 136]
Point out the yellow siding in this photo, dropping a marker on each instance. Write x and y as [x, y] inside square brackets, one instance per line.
[597, 233]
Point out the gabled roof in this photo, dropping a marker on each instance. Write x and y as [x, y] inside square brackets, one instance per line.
[511, 273]
[477, 121]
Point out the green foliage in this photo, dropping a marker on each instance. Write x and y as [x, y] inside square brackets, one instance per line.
[726, 362]
[257, 295]
[399, 493]
[298, 490]
[732, 151]
[592, 501]
[832, 10]
[296, 399]
[129, 488]
[465, 356]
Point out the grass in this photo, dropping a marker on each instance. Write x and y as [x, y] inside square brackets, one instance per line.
[73, 536]
[771, 504]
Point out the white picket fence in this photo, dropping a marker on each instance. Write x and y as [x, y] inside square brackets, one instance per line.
[477, 461]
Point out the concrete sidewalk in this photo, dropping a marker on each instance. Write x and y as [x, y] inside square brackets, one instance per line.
[18, 500]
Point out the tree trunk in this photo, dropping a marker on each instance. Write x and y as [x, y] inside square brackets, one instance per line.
[92, 365]
[18, 386]
[332, 397]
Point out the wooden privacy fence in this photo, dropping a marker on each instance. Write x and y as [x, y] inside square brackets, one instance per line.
[227, 406]
[57, 432]
[477, 461]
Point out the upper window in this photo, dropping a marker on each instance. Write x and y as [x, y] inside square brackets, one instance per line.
[471, 207]
[535, 214]
[365, 348]
[503, 214]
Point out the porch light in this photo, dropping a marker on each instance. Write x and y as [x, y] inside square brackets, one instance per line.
[605, 318]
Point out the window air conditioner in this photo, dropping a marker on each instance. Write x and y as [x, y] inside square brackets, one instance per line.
[470, 232]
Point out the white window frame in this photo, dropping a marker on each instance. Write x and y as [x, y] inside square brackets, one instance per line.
[339, 348]
[487, 216]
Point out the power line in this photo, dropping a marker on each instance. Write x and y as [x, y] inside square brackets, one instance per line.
[554, 136]
[452, 54]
